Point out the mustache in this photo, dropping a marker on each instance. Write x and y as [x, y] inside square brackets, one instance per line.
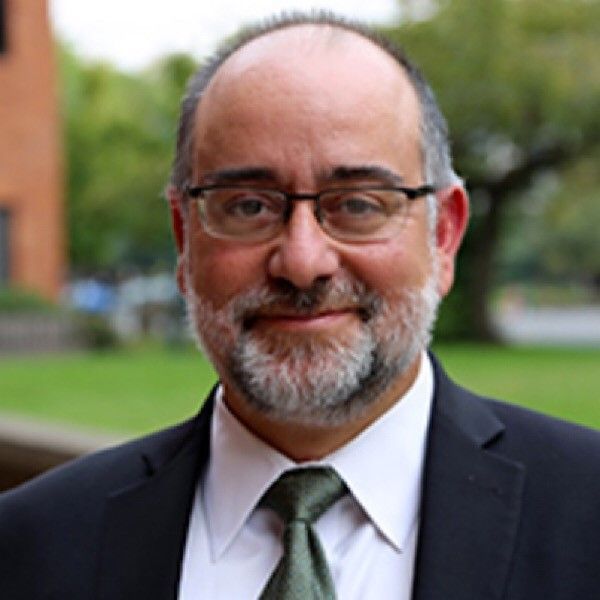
[282, 297]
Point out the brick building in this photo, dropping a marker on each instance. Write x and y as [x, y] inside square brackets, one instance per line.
[32, 246]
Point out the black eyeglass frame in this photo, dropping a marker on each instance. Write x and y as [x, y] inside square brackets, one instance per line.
[411, 193]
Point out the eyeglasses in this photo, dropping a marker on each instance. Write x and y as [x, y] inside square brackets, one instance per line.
[363, 214]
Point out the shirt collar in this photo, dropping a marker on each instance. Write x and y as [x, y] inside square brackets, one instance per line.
[382, 467]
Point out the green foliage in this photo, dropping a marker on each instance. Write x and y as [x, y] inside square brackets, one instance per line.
[14, 300]
[96, 332]
[520, 72]
[519, 81]
[554, 229]
[120, 135]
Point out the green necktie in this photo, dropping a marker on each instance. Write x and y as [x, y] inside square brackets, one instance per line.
[300, 497]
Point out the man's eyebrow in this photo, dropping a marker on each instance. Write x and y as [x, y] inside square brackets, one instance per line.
[354, 172]
[339, 173]
[239, 175]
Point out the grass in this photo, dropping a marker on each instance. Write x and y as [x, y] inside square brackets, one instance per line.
[135, 391]
[563, 382]
[129, 391]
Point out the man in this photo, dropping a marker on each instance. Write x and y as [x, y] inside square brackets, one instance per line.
[317, 219]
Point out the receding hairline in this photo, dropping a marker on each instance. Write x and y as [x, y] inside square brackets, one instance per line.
[305, 46]
[308, 37]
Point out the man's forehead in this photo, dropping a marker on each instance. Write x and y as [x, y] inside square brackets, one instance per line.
[286, 96]
[303, 44]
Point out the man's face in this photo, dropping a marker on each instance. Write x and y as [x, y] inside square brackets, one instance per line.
[303, 327]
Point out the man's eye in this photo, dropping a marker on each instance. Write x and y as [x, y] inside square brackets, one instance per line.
[246, 207]
[359, 206]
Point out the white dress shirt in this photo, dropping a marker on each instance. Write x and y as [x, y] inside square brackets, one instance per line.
[369, 536]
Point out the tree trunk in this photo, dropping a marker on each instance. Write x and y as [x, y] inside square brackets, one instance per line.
[479, 285]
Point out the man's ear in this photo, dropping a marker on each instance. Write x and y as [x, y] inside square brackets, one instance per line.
[179, 232]
[175, 199]
[452, 220]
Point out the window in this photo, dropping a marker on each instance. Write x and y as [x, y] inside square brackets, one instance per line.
[2, 27]
[4, 246]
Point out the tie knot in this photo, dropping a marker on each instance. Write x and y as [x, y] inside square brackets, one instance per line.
[304, 494]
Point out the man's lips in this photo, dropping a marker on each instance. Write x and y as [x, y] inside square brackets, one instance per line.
[293, 321]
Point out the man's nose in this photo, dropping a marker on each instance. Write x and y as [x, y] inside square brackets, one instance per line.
[304, 252]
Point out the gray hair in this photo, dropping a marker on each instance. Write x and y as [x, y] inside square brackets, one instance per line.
[435, 147]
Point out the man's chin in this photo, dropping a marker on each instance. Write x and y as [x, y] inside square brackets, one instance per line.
[322, 368]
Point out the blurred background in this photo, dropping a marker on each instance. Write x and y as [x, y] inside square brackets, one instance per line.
[92, 331]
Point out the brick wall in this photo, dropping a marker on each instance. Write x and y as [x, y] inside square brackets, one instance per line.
[30, 154]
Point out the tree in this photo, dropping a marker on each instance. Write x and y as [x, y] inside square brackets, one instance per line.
[120, 135]
[556, 228]
[519, 81]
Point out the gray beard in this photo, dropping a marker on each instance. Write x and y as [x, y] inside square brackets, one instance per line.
[312, 379]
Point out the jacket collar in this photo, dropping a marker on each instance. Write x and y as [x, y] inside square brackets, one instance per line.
[471, 501]
[145, 523]
[469, 516]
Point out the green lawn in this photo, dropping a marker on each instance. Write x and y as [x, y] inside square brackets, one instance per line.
[130, 391]
[564, 382]
[135, 391]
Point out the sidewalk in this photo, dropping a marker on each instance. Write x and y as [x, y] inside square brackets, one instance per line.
[577, 326]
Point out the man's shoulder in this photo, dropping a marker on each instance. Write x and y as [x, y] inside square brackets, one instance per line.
[558, 454]
[542, 442]
[85, 480]
[522, 422]
[560, 460]
[512, 421]
[54, 525]
[498, 462]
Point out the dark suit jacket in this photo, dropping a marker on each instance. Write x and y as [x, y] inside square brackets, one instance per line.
[511, 510]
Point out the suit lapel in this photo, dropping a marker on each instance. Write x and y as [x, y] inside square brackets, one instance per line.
[145, 524]
[471, 502]
[469, 516]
